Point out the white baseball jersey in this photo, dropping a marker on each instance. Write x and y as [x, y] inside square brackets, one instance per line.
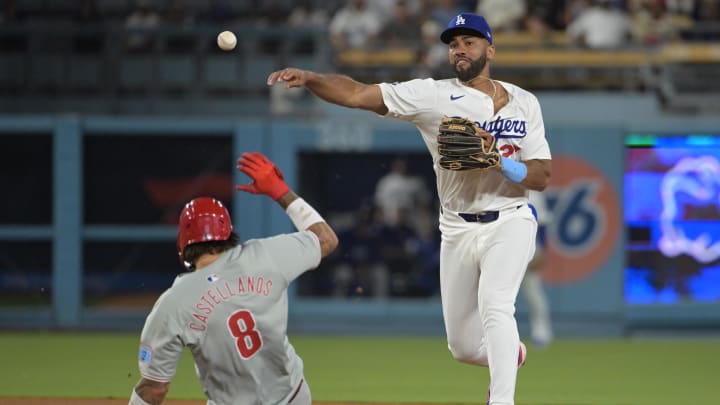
[233, 315]
[518, 128]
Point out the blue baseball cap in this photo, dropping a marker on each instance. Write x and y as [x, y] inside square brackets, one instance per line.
[472, 24]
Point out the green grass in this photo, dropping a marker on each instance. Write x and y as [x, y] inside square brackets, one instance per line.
[365, 369]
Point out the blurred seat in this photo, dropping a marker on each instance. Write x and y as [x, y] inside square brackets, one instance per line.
[200, 8]
[689, 76]
[47, 71]
[695, 78]
[13, 42]
[114, 9]
[701, 31]
[690, 87]
[135, 73]
[60, 9]
[304, 62]
[84, 74]
[256, 70]
[221, 73]
[239, 8]
[88, 43]
[177, 72]
[12, 71]
[29, 8]
[180, 43]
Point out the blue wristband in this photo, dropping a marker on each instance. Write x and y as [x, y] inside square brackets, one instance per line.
[515, 171]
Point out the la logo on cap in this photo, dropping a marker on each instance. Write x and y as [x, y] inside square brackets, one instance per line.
[460, 20]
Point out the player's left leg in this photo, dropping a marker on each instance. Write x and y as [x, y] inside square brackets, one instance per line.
[302, 395]
[502, 269]
[540, 326]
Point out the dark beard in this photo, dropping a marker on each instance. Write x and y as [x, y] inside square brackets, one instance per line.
[476, 66]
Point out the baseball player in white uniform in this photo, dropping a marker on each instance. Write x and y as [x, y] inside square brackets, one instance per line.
[532, 286]
[231, 310]
[488, 231]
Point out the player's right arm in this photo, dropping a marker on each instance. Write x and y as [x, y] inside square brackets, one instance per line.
[333, 88]
[268, 180]
[313, 223]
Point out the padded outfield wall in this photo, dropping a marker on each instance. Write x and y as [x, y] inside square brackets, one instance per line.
[68, 248]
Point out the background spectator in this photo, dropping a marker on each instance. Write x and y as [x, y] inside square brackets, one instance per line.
[545, 15]
[87, 12]
[179, 13]
[307, 15]
[359, 267]
[398, 194]
[144, 16]
[601, 26]
[398, 245]
[442, 11]
[707, 10]
[433, 54]
[653, 24]
[503, 15]
[353, 26]
[402, 29]
[221, 12]
[573, 9]
[9, 11]
[385, 8]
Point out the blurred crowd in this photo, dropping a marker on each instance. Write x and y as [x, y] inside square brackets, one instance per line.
[589, 23]
[372, 23]
[410, 25]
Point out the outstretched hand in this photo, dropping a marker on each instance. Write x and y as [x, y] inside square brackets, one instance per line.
[292, 77]
[267, 178]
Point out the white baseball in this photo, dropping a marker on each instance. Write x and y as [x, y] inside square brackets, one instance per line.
[226, 40]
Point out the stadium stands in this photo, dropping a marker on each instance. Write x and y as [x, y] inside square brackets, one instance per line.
[47, 49]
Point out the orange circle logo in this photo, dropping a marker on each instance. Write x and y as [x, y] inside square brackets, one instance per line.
[585, 221]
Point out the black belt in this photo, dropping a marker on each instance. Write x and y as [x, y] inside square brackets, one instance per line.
[485, 216]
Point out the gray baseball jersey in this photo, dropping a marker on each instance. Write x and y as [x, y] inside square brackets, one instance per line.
[233, 315]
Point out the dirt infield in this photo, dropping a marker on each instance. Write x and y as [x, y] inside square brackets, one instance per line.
[101, 401]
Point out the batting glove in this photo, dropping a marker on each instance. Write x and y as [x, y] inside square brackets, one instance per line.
[267, 178]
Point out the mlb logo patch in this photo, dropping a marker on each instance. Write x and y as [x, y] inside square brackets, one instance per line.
[145, 354]
[213, 278]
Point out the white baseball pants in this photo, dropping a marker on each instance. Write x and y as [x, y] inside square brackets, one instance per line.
[481, 268]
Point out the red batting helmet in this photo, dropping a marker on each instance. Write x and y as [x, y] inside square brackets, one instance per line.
[203, 219]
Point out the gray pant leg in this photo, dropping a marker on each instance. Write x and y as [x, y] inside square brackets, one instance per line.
[303, 396]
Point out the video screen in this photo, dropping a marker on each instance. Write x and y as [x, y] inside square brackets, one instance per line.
[672, 218]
